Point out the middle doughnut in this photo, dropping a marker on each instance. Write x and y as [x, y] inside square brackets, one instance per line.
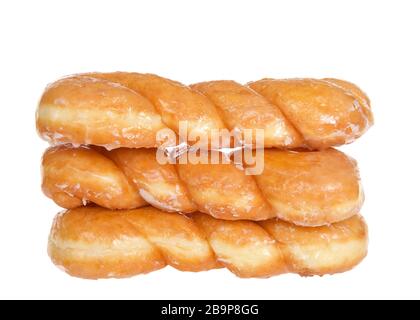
[310, 188]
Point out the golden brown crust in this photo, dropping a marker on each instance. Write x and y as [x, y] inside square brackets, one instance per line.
[174, 101]
[98, 243]
[243, 108]
[158, 183]
[326, 112]
[311, 188]
[243, 247]
[95, 243]
[306, 188]
[128, 110]
[321, 250]
[76, 176]
[86, 110]
[224, 191]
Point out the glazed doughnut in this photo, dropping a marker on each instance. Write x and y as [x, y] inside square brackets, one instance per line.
[306, 188]
[92, 242]
[129, 109]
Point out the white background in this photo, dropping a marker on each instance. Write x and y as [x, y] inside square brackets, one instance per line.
[375, 44]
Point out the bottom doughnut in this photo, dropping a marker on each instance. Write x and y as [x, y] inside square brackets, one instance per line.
[92, 242]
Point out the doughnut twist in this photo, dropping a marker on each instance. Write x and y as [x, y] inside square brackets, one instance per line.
[92, 242]
[130, 110]
[306, 188]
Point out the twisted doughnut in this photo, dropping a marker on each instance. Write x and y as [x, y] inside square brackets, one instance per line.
[306, 188]
[93, 242]
[128, 110]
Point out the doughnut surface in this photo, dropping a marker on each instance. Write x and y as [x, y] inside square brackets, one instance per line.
[328, 112]
[135, 110]
[306, 188]
[92, 242]
[86, 110]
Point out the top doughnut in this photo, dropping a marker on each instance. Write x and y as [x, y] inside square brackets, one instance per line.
[133, 110]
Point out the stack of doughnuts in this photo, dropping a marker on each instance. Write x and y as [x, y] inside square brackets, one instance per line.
[127, 213]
